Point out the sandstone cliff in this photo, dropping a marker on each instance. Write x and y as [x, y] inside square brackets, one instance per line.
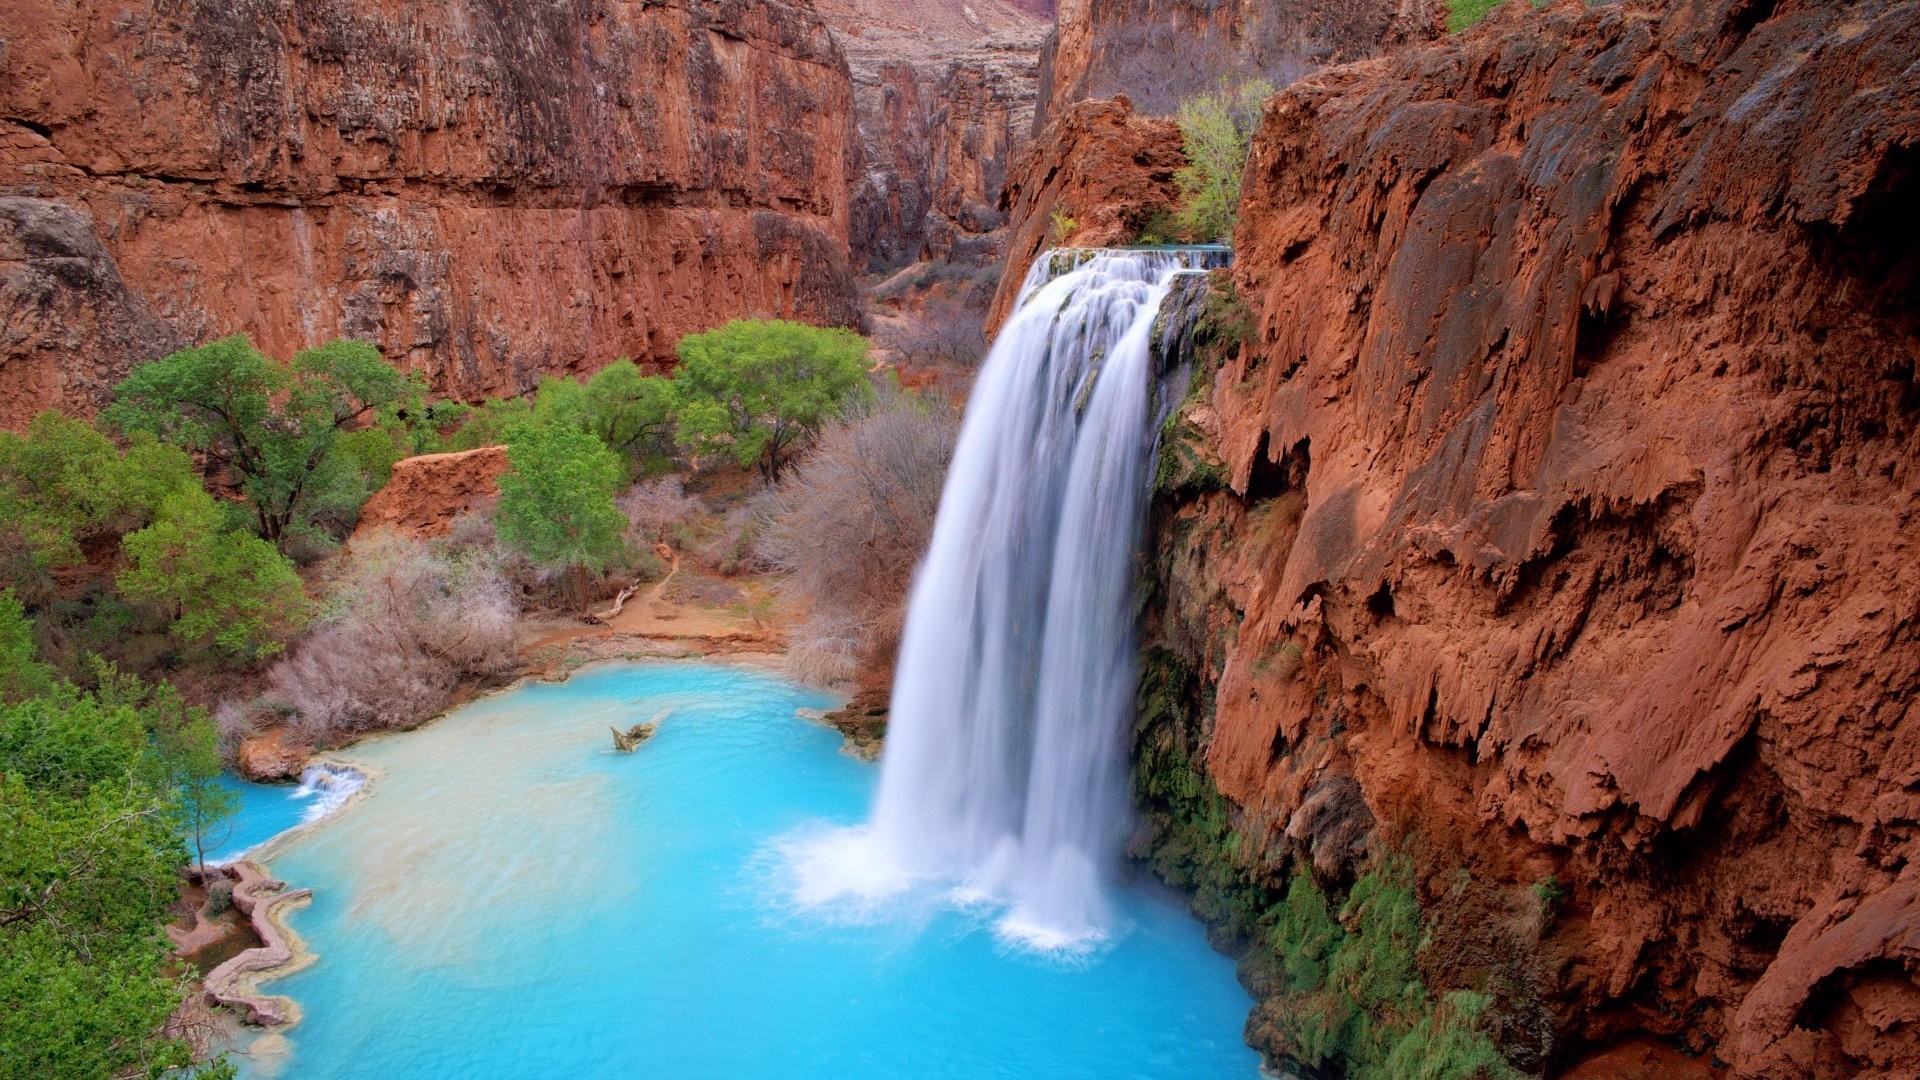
[1558, 522]
[490, 192]
[1158, 52]
[944, 93]
[1099, 165]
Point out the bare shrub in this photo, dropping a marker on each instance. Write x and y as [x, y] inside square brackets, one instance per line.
[851, 522]
[828, 648]
[410, 623]
[947, 329]
[731, 545]
[654, 507]
[233, 724]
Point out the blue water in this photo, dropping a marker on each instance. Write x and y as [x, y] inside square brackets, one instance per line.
[511, 898]
[264, 811]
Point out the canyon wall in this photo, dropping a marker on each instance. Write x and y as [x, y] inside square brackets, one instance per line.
[944, 93]
[1159, 52]
[1552, 516]
[490, 192]
[1099, 165]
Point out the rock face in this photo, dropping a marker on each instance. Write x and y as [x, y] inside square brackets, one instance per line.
[1567, 512]
[1098, 164]
[944, 92]
[489, 192]
[1159, 52]
[426, 494]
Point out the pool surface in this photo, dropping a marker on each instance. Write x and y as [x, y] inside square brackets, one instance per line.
[511, 898]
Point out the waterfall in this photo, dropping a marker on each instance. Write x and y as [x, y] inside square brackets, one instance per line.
[1004, 770]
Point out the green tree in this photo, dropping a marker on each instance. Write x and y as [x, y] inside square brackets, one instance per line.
[221, 589]
[556, 501]
[88, 859]
[759, 389]
[632, 413]
[22, 675]
[1216, 129]
[64, 485]
[187, 744]
[277, 425]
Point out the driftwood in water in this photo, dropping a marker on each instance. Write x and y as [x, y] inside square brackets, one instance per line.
[613, 612]
[625, 741]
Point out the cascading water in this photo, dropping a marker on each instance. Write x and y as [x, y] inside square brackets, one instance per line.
[1004, 768]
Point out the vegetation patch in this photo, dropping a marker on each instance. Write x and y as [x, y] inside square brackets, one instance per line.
[1337, 972]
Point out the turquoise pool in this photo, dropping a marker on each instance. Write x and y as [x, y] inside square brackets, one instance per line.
[510, 898]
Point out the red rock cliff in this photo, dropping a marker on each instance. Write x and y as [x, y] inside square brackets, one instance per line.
[1573, 516]
[488, 191]
[944, 92]
[1158, 52]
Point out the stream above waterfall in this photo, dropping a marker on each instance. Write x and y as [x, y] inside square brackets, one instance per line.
[510, 897]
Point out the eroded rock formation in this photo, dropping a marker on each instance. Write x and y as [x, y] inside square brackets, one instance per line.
[1099, 166]
[1566, 527]
[489, 192]
[426, 494]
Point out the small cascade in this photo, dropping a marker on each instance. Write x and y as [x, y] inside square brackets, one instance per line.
[329, 787]
[1004, 771]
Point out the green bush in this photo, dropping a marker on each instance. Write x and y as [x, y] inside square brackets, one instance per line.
[1462, 14]
[1216, 130]
[758, 390]
[22, 675]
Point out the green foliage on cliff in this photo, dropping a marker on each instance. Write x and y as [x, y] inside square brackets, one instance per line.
[757, 390]
[1339, 977]
[90, 844]
[1462, 14]
[282, 427]
[556, 498]
[1187, 462]
[1217, 129]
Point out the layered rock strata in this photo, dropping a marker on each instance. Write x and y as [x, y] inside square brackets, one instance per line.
[488, 192]
[1557, 522]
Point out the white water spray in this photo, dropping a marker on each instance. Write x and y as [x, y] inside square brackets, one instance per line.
[1004, 770]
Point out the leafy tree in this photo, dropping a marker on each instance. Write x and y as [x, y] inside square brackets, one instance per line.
[278, 425]
[187, 744]
[1216, 128]
[632, 413]
[63, 484]
[22, 675]
[222, 589]
[758, 389]
[88, 858]
[556, 500]
[488, 423]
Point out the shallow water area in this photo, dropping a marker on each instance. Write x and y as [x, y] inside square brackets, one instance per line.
[265, 811]
[516, 899]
